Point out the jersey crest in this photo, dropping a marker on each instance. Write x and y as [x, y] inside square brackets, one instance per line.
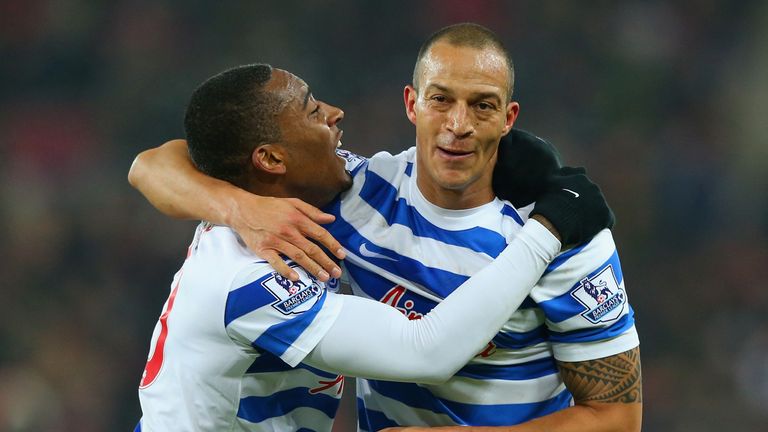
[601, 295]
[293, 297]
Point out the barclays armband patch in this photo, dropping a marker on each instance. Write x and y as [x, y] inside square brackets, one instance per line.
[601, 295]
[294, 297]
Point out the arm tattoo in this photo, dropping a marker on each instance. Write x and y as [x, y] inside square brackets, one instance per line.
[611, 379]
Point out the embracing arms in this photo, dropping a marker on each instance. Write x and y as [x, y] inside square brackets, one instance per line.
[166, 176]
[269, 226]
[374, 340]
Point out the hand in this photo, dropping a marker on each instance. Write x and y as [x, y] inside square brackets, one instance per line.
[523, 165]
[409, 429]
[574, 205]
[426, 429]
[273, 226]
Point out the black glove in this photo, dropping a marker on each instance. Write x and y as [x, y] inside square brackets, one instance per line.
[574, 205]
[524, 163]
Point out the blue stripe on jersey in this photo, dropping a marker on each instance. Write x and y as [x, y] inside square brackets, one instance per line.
[366, 417]
[600, 333]
[528, 303]
[268, 363]
[511, 212]
[408, 168]
[382, 196]
[277, 338]
[565, 306]
[565, 256]
[511, 340]
[466, 414]
[438, 281]
[256, 409]
[322, 373]
[377, 286]
[247, 299]
[359, 167]
[138, 427]
[523, 371]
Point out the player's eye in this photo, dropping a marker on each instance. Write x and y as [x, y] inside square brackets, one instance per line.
[439, 98]
[485, 106]
[315, 111]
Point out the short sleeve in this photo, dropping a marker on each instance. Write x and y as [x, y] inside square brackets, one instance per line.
[585, 303]
[269, 312]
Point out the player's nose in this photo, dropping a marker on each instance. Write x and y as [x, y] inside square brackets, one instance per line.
[335, 115]
[459, 121]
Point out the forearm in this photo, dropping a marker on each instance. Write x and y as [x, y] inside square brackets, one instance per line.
[593, 417]
[608, 396]
[381, 343]
[167, 177]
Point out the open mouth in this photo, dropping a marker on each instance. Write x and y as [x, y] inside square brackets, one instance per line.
[338, 138]
[453, 153]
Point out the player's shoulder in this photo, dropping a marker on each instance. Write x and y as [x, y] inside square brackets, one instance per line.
[263, 274]
[221, 244]
[381, 171]
[256, 286]
[219, 257]
[387, 164]
[595, 252]
[597, 258]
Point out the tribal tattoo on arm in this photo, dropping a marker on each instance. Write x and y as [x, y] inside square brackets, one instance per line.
[617, 378]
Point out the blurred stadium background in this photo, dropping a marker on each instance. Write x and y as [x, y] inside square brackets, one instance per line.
[664, 102]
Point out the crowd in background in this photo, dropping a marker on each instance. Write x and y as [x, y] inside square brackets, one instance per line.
[665, 103]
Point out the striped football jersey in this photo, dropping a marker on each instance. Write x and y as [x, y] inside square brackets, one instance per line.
[410, 254]
[226, 353]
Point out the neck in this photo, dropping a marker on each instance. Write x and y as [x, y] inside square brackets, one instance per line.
[474, 195]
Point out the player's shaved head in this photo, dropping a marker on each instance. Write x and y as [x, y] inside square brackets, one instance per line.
[228, 116]
[465, 35]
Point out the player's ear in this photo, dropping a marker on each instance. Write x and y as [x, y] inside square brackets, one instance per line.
[409, 97]
[513, 108]
[269, 158]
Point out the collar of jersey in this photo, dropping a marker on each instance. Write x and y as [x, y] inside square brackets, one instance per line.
[448, 218]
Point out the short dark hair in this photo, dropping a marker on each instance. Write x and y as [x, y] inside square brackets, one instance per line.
[466, 35]
[227, 117]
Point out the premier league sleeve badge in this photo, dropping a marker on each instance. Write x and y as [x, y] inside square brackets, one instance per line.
[601, 295]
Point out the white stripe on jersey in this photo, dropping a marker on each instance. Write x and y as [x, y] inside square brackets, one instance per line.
[519, 356]
[524, 320]
[311, 420]
[268, 383]
[502, 392]
[598, 251]
[591, 350]
[404, 414]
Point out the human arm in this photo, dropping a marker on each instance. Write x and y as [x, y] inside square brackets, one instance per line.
[607, 394]
[591, 331]
[269, 226]
[392, 348]
[374, 340]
